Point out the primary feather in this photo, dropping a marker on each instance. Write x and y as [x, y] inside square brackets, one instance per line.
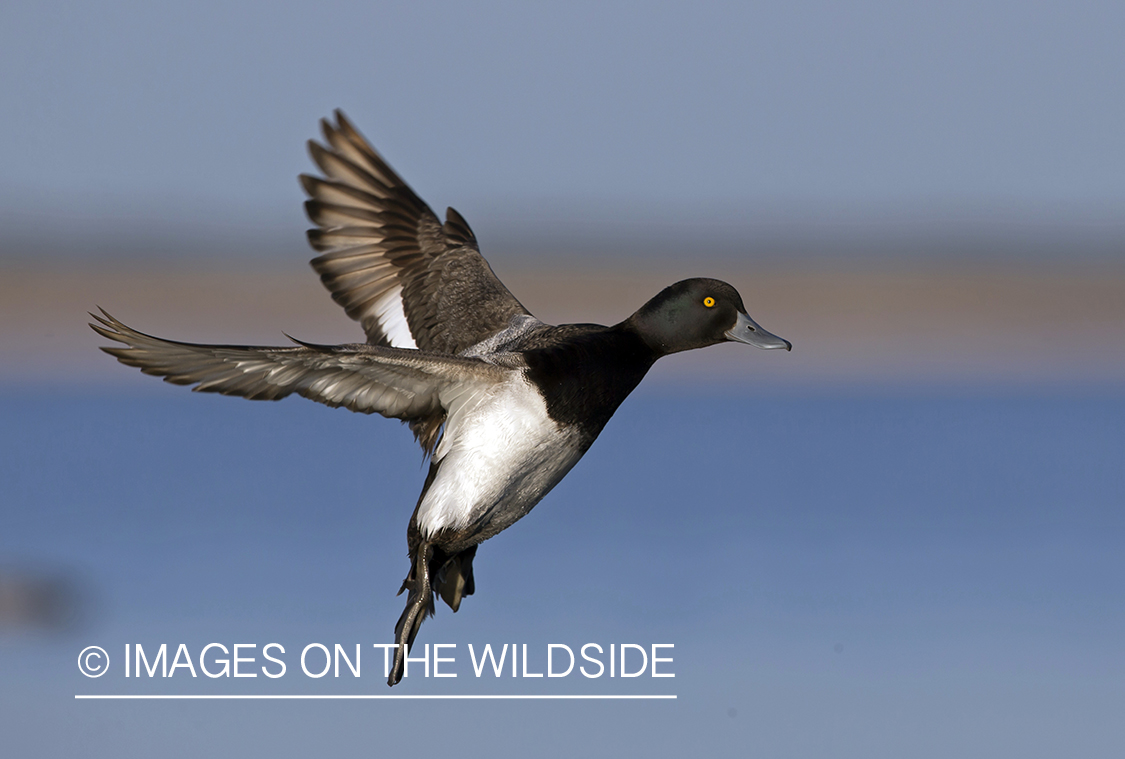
[409, 280]
[394, 382]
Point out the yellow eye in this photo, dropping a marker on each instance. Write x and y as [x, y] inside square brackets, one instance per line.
[709, 301]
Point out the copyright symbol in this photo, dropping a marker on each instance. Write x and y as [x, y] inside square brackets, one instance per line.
[93, 661]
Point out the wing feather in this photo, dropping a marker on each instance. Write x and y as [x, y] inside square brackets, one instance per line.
[408, 279]
[402, 384]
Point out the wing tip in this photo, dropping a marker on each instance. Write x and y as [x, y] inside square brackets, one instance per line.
[107, 326]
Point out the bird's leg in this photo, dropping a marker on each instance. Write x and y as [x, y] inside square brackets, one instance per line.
[418, 603]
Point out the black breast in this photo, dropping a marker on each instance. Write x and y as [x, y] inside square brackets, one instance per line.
[585, 371]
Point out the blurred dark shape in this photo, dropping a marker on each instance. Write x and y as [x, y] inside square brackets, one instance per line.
[37, 601]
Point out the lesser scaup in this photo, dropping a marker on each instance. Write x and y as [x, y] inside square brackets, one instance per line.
[504, 404]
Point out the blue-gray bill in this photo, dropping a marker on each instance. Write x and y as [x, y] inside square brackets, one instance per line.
[746, 330]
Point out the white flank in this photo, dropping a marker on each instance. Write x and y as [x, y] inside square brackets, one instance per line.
[392, 318]
[499, 448]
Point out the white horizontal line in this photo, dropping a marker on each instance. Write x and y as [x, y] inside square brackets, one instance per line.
[364, 696]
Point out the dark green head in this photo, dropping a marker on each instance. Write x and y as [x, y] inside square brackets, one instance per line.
[696, 313]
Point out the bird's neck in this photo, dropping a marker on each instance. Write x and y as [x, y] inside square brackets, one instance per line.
[587, 378]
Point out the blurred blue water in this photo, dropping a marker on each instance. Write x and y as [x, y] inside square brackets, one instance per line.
[854, 574]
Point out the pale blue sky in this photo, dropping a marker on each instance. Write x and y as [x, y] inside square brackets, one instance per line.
[578, 113]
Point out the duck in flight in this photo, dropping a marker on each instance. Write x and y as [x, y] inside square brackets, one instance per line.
[503, 404]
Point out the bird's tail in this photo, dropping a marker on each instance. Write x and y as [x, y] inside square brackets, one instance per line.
[455, 578]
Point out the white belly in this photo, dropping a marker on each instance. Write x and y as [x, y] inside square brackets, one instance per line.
[498, 456]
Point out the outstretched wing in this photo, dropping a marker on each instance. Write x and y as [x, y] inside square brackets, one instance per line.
[402, 384]
[408, 279]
